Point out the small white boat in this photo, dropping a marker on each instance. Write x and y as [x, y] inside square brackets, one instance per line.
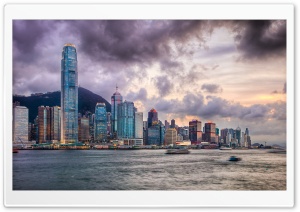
[225, 148]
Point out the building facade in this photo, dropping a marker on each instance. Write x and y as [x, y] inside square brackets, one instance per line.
[152, 117]
[69, 95]
[126, 111]
[195, 132]
[20, 123]
[116, 99]
[100, 124]
[171, 136]
[138, 125]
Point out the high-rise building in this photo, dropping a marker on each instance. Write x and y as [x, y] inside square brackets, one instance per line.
[20, 123]
[195, 133]
[238, 135]
[100, 125]
[173, 123]
[55, 123]
[69, 95]
[224, 133]
[126, 121]
[210, 132]
[44, 124]
[138, 125]
[247, 131]
[171, 136]
[116, 99]
[167, 124]
[152, 117]
[84, 129]
[108, 116]
[154, 135]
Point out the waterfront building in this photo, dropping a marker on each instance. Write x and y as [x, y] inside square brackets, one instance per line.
[145, 132]
[126, 111]
[100, 123]
[173, 123]
[154, 135]
[69, 95]
[224, 133]
[44, 124]
[167, 125]
[20, 123]
[108, 117]
[238, 135]
[55, 123]
[247, 131]
[195, 133]
[210, 132]
[171, 136]
[84, 129]
[116, 99]
[138, 125]
[152, 117]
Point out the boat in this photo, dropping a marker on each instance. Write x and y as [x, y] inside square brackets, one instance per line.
[234, 158]
[277, 151]
[15, 150]
[177, 151]
[225, 148]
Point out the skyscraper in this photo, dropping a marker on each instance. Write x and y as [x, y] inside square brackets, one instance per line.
[116, 99]
[126, 121]
[100, 126]
[20, 123]
[210, 132]
[69, 95]
[152, 117]
[195, 133]
[172, 123]
[238, 135]
[138, 125]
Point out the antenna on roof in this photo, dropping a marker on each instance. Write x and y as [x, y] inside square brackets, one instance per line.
[116, 87]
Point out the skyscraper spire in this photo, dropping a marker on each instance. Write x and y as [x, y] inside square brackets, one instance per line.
[116, 87]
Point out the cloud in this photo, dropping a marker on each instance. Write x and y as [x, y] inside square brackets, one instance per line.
[259, 39]
[284, 88]
[212, 88]
[164, 85]
[140, 95]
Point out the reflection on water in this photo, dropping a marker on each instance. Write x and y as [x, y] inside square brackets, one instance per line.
[148, 170]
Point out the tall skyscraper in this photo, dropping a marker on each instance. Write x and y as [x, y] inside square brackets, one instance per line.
[69, 95]
[138, 125]
[195, 133]
[152, 117]
[210, 132]
[167, 124]
[20, 123]
[116, 99]
[247, 131]
[83, 129]
[171, 136]
[172, 123]
[238, 135]
[100, 127]
[126, 121]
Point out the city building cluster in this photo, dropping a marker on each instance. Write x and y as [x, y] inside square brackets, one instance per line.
[124, 125]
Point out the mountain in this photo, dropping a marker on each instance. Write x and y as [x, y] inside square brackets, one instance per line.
[87, 101]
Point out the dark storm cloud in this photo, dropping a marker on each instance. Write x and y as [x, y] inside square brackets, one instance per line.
[258, 39]
[211, 88]
[164, 85]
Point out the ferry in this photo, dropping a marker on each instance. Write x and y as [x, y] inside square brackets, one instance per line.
[177, 151]
[234, 158]
[225, 148]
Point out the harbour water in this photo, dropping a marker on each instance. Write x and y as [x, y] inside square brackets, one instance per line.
[148, 170]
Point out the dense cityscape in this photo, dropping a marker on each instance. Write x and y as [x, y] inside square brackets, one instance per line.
[122, 128]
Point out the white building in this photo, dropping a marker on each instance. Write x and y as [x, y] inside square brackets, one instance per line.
[20, 124]
[138, 122]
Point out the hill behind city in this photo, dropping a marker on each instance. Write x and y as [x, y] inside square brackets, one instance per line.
[87, 101]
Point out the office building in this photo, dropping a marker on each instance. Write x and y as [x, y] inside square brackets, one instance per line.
[69, 95]
[173, 123]
[116, 99]
[126, 120]
[100, 123]
[138, 125]
[195, 133]
[152, 117]
[20, 123]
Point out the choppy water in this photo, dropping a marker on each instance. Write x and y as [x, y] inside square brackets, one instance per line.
[147, 170]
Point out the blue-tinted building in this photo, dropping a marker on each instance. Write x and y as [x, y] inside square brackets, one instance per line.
[69, 95]
[100, 126]
[116, 99]
[126, 122]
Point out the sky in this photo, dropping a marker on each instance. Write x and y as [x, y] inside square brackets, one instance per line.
[230, 72]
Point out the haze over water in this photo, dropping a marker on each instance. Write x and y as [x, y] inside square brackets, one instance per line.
[148, 170]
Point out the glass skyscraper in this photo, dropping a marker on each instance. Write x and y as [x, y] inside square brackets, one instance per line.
[100, 126]
[69, 95]
[116, 99]
[126, 111]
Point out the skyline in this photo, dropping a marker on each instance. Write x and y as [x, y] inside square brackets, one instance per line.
[230, 72]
